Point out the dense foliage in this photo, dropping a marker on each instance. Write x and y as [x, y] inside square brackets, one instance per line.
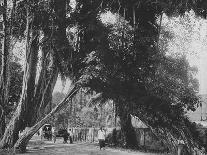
[122, 61]
[80, 113]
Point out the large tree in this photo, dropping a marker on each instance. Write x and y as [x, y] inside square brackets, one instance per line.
[121, 74]
[37, 90]
[5, 58]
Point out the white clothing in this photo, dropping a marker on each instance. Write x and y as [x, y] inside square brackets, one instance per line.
[71, 133]
[53, 130]
[101, 134]
[181, 142]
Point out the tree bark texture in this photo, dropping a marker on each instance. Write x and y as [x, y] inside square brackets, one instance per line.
[45, 83]
[44, 96]
[4, 79]
[2, 121]
[21, 117]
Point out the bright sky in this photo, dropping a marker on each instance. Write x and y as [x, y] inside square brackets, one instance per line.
[62, 87]
[190, 38]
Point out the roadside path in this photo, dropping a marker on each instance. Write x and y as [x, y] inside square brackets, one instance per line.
[37, 147]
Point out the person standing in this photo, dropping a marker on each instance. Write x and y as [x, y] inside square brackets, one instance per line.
[71, 136]
[101, 138]
[54, 134]
[65, 136]
[181, 144]
[41, 133]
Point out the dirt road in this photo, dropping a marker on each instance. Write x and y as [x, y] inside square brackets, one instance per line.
[78, 149]
[37, 147]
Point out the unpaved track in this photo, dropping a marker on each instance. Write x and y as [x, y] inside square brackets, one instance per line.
[37, 147]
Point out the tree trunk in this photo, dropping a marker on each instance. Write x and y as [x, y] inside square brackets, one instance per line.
[47, 94]
[4, 79]
[60, 41]
[45, 85]
[33, 100]
[27, 98]
[2, 121]
[21, 144]
[128, 132]
[56, 38]
[21, 117]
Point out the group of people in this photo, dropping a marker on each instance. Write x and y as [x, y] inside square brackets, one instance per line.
[68, 135]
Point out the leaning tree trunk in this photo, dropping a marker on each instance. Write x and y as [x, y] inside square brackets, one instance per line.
[169, 138]
[4, 79]
[21, 144]
[20, 120]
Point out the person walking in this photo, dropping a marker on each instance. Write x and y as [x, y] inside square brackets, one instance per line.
[101, 138]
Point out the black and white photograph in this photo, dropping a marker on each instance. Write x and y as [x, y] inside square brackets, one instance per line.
[103, 77]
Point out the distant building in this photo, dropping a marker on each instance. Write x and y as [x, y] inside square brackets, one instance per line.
[137, 123]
